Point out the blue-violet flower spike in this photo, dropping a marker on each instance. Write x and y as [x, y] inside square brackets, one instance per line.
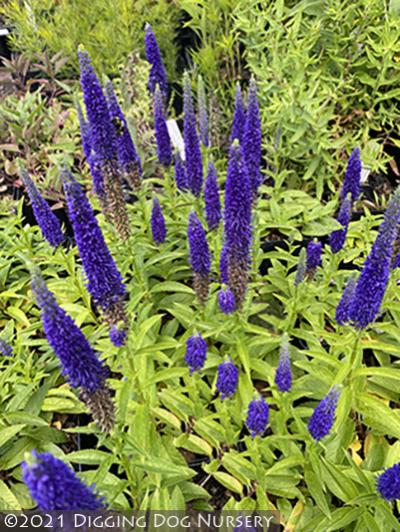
[283, 374]
[211, 197]
[196, 350]
[127, 154]
[374, 277]
[351, 182]
[237, 223]
[314, 260]
[200, 259]
[323, 417]
[251, 140]
[342, 315]
[338, 238]
[193, 158]
[388, 483]
[227, 379]
[54, 486]
[158, 229]
[157, 75]
[164, 150]
[257, 416]
[48, 222]
[226, 301]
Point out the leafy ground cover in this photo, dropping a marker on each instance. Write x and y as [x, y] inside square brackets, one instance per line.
[216, 372]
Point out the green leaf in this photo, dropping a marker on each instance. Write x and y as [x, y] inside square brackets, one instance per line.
[378, 415]
[229, 482]
[7, 433]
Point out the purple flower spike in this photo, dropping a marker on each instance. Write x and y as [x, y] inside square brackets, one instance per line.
[388, 483]
[342, 315]
[157, 75]
[237, 223]
[283, 374]
[226, 301]
[200, 260]
[158, 229]
[127, 154]
[374, 277]
[117, 336]
[196, 351]
[48, 222]
[5, 348]
[211, 196]
[338, 238]
[78, 360]
[85, 134]
[103, 162]
[193, 158]
[323, 417]
[257, 416]
[54, 486]
[180, 172]
[102, 134]
[164, 151]
[202, 111]
[314, 260]
[239, 116]
[227, 380]
[251, 140]
[104, 281]
[352, 178]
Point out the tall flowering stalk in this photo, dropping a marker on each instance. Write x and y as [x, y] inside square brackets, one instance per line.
[323, 417]
[180, 172]
[211, 197]
[342, 314]
[352, 178]
[158, 229]
[157, 75]
[227, 379]
[257, 416]
[54, 486]
[105, 147]
[48, 222]
[371, 286]
[237, 223]
[251, 140]
[79, 362]
[239, 116]
[338, 237]
[283, 374]
[127, 155]
[196, 352]
[314, 260]
[104, 281]
[164, 150]
[193, 159]
[199, 257]
[202, 111]
[84, 126]
[226, 301]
